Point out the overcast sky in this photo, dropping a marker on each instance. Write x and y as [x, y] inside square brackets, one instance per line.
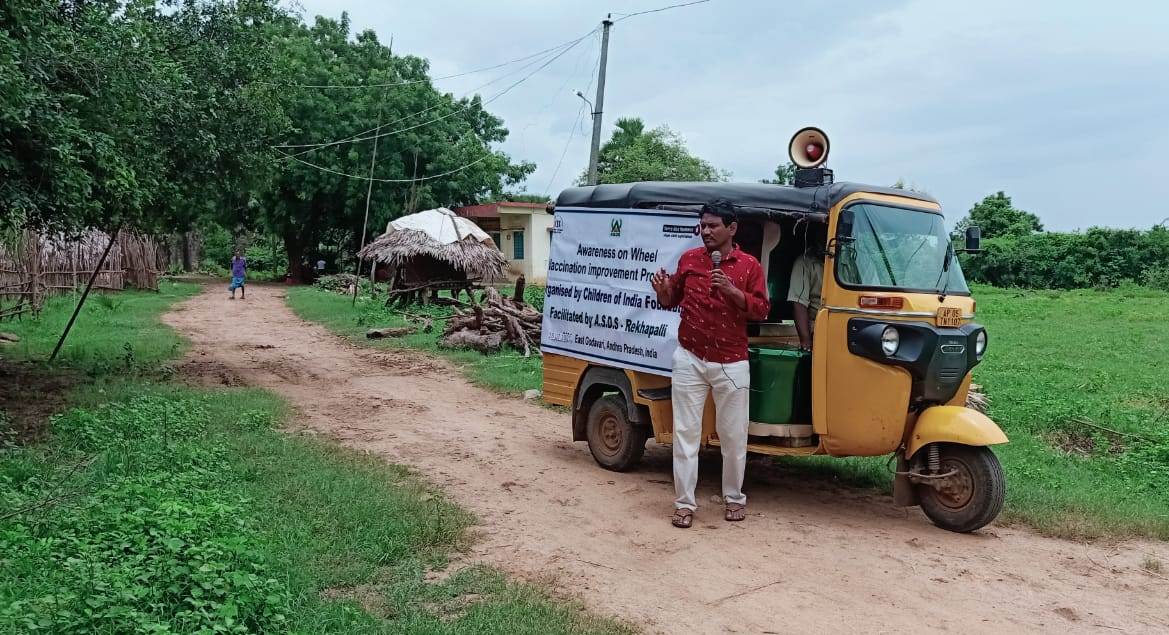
[1063, 105]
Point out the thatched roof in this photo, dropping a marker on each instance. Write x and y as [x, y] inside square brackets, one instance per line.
[477, 259]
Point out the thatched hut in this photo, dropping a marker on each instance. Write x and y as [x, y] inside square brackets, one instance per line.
[435, 249]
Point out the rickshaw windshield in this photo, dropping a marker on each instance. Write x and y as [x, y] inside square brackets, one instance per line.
[882, 247]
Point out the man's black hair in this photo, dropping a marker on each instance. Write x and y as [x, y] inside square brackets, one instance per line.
[722, 208]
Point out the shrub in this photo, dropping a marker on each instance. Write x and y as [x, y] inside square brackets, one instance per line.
[144, 538]
[1097, 257]
[339, 282]
[1157, 277]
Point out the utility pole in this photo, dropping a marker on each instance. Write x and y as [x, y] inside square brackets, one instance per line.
[365, 223]
[600, 104]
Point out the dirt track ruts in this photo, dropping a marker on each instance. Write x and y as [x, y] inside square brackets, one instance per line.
[810, 557]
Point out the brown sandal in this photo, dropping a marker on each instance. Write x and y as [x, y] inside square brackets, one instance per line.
[736, 512]
[683, 518]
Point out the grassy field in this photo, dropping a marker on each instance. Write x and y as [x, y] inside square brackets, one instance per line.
[100, 341]
[1078, 379]
[508, 372]
[1062, 369]
[156, 507]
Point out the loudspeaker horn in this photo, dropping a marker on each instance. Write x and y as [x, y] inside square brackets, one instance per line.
[808, 148]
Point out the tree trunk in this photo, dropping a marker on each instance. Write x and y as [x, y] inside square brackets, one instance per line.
[295, 250]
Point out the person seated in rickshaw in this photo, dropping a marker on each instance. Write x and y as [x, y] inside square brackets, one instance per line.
[807, 280]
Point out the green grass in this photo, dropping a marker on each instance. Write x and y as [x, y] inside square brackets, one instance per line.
[508, 371]
[113, 331]
[155, 507]
[1056, 359]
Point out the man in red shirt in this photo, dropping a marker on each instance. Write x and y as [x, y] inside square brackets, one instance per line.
[716, 301]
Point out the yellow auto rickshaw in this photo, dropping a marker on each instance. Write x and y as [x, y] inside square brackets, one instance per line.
[893, 348]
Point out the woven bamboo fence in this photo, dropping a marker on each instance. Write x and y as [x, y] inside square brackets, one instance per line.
[33, 267]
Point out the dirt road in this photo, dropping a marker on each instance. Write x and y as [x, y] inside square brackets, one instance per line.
[810, 557]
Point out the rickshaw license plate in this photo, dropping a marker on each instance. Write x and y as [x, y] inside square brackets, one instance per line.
[949, 316]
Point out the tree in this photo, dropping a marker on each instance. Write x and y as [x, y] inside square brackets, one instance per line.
[632, 154]
[420, 133]
[996, 216]
[785, 174]
[130, 113]
[519, 197]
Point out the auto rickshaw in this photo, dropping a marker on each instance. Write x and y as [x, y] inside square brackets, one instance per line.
[893, 348]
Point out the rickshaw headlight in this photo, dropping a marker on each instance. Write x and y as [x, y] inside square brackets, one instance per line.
[890, 341]
[980, 344]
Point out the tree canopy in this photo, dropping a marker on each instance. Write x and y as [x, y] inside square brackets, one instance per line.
[164, 114]
[420, 134]
[131, 112]
[996, 216]
[635, 154]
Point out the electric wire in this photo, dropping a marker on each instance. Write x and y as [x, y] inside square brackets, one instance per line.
[626, 16]
[577, 124]
[433, 176]
[439, 118]
[358, 137]
[420, 81]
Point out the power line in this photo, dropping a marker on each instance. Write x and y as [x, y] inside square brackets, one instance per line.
[567, 145]
[442, 117]
[359, 136]
[371, 178]
[420, 81]
[626, 16]
[575, 126]
[555, 96]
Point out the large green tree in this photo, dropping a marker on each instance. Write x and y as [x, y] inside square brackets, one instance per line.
[996, 216]
[635, 154]
[352, 94]
[130, 112]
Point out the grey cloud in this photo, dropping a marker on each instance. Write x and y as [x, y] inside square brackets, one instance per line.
[1058, 103]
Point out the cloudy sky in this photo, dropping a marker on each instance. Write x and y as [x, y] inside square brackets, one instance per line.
[1063, 105]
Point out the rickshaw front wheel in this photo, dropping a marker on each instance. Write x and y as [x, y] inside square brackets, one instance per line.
[972, 496]
[616, 443]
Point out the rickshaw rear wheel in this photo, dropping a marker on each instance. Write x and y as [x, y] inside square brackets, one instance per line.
[616, 443]
[971, 498]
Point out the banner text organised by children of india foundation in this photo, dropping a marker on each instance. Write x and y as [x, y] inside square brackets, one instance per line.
[599, 304]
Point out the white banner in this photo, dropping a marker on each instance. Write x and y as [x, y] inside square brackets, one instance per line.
[599, 304]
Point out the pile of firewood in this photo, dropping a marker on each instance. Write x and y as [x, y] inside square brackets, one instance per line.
[487, 325]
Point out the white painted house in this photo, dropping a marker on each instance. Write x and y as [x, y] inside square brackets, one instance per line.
[522, 231]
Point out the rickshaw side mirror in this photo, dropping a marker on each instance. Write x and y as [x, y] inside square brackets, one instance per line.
[973, 239]
[844, 226]
[843, 233]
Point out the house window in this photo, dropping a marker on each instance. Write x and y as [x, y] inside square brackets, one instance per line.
[517, 245]
[497, 239]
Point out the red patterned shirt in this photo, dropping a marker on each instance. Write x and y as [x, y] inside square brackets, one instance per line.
[713, 328]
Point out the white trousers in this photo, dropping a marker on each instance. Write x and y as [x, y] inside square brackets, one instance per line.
[730, 384]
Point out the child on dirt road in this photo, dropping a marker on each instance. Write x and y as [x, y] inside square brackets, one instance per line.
[239, 268]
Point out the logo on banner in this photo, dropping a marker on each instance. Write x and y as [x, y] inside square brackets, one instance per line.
[680, 231]
[615, 227]
[557, 225]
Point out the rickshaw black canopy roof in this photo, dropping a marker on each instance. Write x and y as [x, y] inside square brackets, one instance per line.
[752, 199]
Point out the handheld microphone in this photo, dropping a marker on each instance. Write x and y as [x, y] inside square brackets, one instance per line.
[716, 257]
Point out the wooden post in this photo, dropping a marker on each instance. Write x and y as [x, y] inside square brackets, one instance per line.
[518, 296]
[84, 295]
[34, 266]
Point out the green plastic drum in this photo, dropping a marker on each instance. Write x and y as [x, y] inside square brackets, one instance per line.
[781, 388]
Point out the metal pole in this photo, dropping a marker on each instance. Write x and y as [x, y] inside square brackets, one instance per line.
[600, 103]
[85, 294]
[365, 223]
